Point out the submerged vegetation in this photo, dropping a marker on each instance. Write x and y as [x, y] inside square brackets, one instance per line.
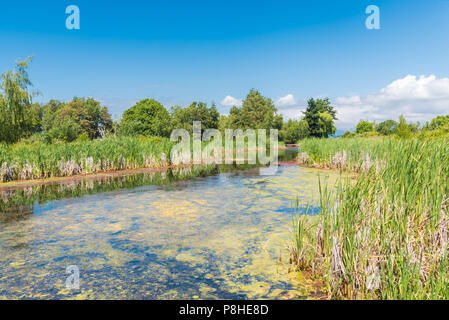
[383, 235]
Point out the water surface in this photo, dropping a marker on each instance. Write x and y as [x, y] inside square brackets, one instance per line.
[220, 236]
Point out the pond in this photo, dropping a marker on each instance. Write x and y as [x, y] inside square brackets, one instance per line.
[222, 235]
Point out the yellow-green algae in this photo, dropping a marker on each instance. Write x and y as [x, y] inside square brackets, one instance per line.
[223, 236]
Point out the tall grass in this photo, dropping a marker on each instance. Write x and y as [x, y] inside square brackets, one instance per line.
[35, 160]
[384, 235]
[355, 154]
[39, 160]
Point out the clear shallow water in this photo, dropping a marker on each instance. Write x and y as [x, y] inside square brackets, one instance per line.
[222, 236]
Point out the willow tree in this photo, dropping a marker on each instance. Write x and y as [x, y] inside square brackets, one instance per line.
[17, 113]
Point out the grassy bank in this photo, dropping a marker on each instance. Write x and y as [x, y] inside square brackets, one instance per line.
[38, 160]
[384, 235]
[24, 161]
[356, 154]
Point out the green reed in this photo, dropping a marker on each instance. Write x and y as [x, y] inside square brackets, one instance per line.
[25, 161]
[384, 234]
[39, 160]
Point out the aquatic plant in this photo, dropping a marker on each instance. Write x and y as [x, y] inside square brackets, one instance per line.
[383, 235]
[34, 161]
[354, 154]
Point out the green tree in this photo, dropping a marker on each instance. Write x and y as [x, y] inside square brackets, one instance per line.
[148, 117]
[326, 122]
[364, 126]
[224, 122]
[387, 127]
[66, 121]
[183, 118]
[19, 117]
[403, 130]
[438, 122]
[294, 130]
[320, 116]
[257, 112]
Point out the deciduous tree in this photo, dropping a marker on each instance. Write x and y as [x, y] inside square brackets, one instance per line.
[148, 117]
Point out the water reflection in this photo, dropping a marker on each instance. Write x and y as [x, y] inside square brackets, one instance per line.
[219, 236]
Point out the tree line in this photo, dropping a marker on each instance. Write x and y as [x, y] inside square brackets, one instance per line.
[86, 119]
[436, 127]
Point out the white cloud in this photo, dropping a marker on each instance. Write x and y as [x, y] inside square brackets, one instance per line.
[290, 108]
[230, 101]
[292, 113]
[417, 98]
[287, 101]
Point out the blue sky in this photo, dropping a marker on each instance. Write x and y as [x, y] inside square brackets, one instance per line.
[183, 51]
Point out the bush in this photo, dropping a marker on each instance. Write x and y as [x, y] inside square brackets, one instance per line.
[83, 137]
[364, 126]
[370, 134]
[349, 134]
[148, 117]
[294, 130]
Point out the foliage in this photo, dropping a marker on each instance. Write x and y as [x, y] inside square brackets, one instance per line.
[148, 117]
[36, 160]
[294, 130]
[370, 134]
[183, 118]
[66, 121]
[364, 126]
[387, 127]
[384, 234]
[400, 129]
[19, 117]
[403, 130]
[320, 116]
[438, 123]
[349, 134]
[257, 112]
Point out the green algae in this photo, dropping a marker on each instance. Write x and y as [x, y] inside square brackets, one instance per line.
[222, 236]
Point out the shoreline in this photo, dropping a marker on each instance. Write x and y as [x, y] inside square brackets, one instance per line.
[21, 184]
[351, 173]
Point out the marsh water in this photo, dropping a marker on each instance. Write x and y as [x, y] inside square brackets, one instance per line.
[222, 235]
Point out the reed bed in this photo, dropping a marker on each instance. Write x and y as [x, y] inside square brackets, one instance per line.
[383, 235]
[39, 160]
[355, 154]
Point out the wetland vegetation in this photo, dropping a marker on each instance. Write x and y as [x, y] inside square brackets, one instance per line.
[375, 227]
[382, 234]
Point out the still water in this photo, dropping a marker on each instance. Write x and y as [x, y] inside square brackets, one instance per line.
[220, 236]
